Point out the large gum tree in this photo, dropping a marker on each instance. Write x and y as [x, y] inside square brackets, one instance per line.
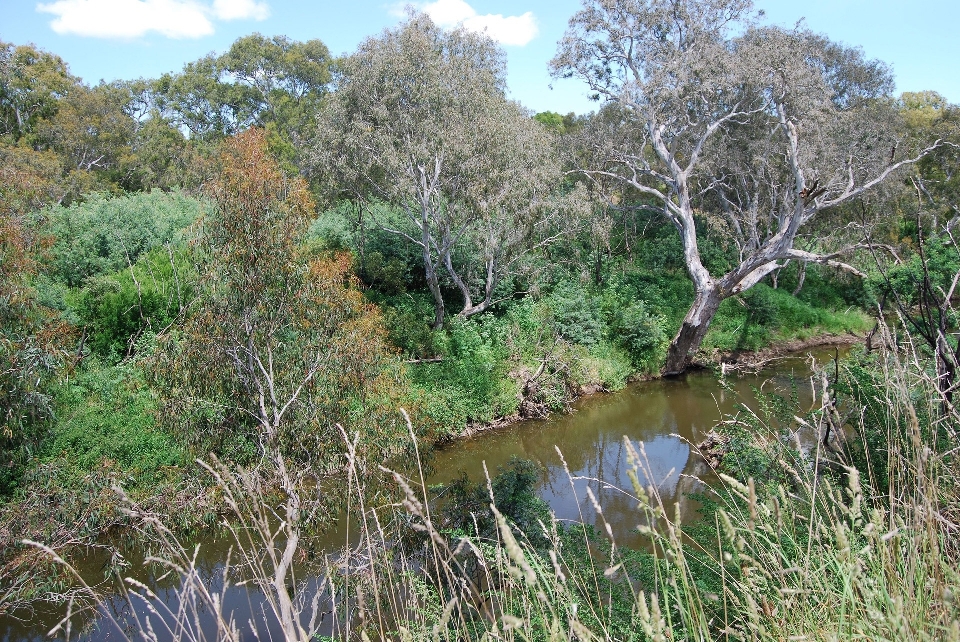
[711, 119]
[420, 122]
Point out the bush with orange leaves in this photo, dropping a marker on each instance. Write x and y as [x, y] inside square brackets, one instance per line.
[31, 339]
[280, 350]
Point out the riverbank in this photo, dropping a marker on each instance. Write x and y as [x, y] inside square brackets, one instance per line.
[753, 360]
[665, 414]
[494, 374]
[749, 361]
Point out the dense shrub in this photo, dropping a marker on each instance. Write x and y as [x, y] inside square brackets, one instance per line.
[387, 274]
[104, 233]
[106, 419]
[761, 305]
[471, 380]
[32, 343]
[408, 329]
[27, 364]
[115, 309]
[576, 314]
[642, 335]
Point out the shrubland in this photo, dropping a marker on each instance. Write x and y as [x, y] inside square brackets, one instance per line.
[581, 328]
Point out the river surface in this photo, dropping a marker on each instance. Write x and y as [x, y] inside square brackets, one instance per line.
[667, 417]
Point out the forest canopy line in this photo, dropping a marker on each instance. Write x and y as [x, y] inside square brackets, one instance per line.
[263, 257]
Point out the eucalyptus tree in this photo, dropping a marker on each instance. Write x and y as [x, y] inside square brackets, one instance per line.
[91, 129]
[278, 350]
[264, 82]
[32, 82]
[275, 364]
[419, 121]
[711, 119]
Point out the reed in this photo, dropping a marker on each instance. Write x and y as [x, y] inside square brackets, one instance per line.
[839, 550]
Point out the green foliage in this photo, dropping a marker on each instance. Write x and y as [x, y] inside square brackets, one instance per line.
[757, 446]
[470, 382]
[281, 349]
[607, 364]
[408, 329]
[587, 336]
[91, 132]
[105, 234]
[642, 334]
[274, 298]
[608, 599]
[939, 262]
[576, 314]
[466, 505]
[747, 458]
[863, 395]
[761, 305]
[663, 292]
[388, 275]
[551, 120]
[26, 367]
[824, 287]
[559, 123]
[115, 309]
[922, 109]
[862, 388]
[332, 229]
[32, 81]
[603, 599]
[161, 157]
[106, 419]
[276, 83]
[31, 338]
[486, 205]
[763, 315]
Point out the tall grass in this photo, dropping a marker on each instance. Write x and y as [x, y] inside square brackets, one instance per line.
[848, 540]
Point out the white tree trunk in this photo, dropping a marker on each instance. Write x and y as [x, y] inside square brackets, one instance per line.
[693, 330]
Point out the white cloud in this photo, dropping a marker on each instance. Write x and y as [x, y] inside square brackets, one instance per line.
[507, 30]
[135, 18]
[448, 13]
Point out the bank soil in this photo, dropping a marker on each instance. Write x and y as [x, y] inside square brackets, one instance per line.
[756, 359]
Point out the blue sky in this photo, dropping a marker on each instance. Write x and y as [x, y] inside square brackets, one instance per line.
[117, 39]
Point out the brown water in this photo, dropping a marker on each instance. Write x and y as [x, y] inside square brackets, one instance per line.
[667, 417]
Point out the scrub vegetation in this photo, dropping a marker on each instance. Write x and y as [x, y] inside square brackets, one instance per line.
[251, 296]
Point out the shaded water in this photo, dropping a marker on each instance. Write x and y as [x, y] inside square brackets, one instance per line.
[668, 417]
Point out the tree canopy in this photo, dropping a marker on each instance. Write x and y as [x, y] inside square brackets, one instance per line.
[709, 117]
[420, 121]
[280, 346]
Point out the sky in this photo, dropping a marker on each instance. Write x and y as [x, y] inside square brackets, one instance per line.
[126, 39]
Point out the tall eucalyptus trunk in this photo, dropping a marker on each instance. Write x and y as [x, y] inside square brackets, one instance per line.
[692, 331]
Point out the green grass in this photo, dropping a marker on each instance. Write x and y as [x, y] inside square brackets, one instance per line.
[587, 336]
[763, 316]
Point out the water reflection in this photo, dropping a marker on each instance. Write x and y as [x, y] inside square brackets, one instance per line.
[665, 418]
